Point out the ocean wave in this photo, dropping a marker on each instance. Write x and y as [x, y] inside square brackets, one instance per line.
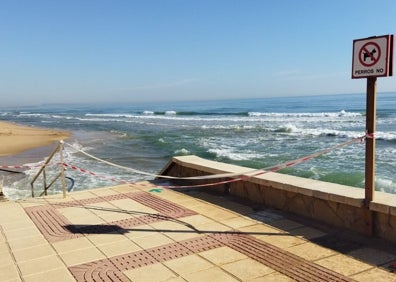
[231, 154]
[182, 152]
[315, 115]
[385, 185]
[170, 113]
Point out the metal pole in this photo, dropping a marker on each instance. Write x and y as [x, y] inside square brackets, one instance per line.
[371, 109]
[370, 140]
[62, 169]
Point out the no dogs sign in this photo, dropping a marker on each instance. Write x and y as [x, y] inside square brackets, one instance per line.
[372, 56]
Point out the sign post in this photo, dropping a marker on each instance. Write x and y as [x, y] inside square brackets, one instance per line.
[372, 58]
[370, 139]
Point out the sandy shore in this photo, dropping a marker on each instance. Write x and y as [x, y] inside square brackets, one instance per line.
[15, 139]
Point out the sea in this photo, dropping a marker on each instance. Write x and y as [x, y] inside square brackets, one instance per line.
[140, 139]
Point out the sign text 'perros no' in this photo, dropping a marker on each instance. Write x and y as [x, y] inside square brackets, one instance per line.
[372, 56]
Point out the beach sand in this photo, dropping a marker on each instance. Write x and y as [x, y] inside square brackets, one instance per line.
[15, 139]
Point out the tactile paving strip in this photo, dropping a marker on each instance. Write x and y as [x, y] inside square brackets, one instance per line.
[276, 258]
[55, 227]
[282, 261]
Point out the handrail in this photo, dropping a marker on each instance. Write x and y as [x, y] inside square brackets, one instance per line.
[42, 171]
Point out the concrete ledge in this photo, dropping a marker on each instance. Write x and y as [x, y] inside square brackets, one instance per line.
[338, 205]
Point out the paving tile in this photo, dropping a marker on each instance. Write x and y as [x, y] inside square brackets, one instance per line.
[266, 216]
[214, 212]
[140, 231]
[102, 239]
[222, 255]
[237, 208]
[373, 256]
[108, 212]
[196, 220]
[33, 202]
[81, 195]
[38, 261]
[81, 256]
[307, 232]
[106, 191]
[188, 264]
[212, 227]
[118, 248]
[153, 273]
[9, 272]
[18, 223]
[176, 197]
[272, 277]
[134, 208]
[375, 274]
[72, 245]
[39, 265]
[175, 279]
[54, 275]
[4, 248]
[2, 236]
[286, 224]
[23, 233]
[37, 251]
[122, 188]
[152, 241]
[247, 269]
[238, 222]
[258, 230]
[26, 242]
[5, 257]
[343, 264]
[176, 230]
[282, 240]
[311, 251]
[81, 216]
[212, 274]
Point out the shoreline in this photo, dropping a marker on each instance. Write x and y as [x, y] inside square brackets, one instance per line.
[17, 139]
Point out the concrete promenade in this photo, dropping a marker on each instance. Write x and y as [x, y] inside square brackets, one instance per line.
[144, 232]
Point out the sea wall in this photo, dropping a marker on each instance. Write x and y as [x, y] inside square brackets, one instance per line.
[337, 205]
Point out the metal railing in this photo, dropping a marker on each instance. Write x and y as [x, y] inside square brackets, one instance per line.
[42, 171]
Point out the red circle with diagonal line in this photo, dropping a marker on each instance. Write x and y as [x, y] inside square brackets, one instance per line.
[370, 52]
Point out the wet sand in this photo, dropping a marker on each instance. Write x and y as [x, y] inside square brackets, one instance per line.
[16, 139]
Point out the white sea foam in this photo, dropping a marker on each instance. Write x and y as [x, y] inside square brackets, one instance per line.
[182, 152]
[316, 115]
[386, 185]
[170, 113]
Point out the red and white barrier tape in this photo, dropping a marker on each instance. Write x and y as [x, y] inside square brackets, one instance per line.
[27, 166]
[84, 171]
[235, 177]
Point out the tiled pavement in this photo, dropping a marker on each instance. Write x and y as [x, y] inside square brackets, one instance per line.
[143, 232]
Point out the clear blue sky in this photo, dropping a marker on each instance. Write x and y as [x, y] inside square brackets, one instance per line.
[88, 51]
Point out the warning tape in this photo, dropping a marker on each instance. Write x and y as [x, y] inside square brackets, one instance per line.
[235, 177]
[84, 171]
[158, 175]
[27, 166]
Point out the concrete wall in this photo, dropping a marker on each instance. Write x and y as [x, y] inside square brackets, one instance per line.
[334, 204]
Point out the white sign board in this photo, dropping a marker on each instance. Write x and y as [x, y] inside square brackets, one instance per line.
[372, 56]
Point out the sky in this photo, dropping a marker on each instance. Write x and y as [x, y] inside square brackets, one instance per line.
[128, 51]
